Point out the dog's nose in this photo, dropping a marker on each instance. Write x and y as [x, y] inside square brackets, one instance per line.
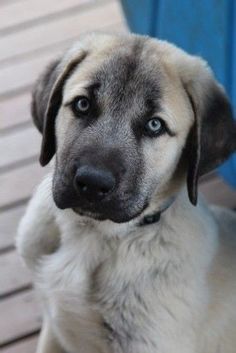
[93, 183]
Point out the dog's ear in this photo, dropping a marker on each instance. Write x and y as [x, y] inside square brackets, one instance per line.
[41, 94]
[47, 99]
[213, 136]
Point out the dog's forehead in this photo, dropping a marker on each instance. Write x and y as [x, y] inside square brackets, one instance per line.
[130, 72]
[121, 68]
[137, 78]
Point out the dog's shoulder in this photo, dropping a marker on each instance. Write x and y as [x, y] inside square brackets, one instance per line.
[38, 233]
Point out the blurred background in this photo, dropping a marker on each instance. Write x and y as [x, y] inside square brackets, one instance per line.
[31, 34]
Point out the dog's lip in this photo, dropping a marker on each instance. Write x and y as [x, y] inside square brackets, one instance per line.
[116, 212]
[96, 216]
[116, 218]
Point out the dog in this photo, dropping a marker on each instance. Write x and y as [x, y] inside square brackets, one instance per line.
[125, 256]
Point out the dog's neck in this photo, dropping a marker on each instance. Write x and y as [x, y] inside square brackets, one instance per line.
[154, 217]
[151, 217]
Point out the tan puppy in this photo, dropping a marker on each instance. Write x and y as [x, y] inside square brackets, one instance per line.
[123, 260]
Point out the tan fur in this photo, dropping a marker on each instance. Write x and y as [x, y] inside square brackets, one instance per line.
[168, 287]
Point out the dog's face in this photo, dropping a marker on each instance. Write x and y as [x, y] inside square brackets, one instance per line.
[122, 115]
[120, 132]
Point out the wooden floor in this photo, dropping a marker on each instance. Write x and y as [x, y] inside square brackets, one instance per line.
[31, 34]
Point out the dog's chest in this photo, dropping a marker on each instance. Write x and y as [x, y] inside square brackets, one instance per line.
[89, 292]
[66, 282]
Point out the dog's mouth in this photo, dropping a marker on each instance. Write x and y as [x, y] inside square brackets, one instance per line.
[119, 207]
[94, 215]
[116, 217]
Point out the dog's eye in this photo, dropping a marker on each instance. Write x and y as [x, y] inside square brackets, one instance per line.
[155, 127]
[81, 105]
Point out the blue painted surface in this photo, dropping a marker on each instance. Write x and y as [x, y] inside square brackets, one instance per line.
[139, 15]
[206, 28]
[232, 43]
[193, 30]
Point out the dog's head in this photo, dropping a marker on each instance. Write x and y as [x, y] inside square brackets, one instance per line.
[130, 119]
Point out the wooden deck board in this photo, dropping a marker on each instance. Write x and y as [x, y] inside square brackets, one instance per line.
[15, 111]
[21, 144]
[21, 75]
[9, 221]
[60, 30]
[19, 185]
[13, 274]
[15, 14]
[24, 73]
[27, 345]
[20, 316]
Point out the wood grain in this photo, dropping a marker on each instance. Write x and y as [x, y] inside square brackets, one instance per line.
[24, 73]
[15, 111]
[19, 185]
[19, 145]
[9, 221]
[20, 315]
[27, 345]
[59, 30]
[17, 13]
[21, 75]
[13, 274]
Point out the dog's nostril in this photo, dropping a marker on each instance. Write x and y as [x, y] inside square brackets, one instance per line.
[94, 183]
[104, 191]
[82, 187]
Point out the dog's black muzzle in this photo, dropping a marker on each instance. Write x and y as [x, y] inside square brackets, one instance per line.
[101, 183]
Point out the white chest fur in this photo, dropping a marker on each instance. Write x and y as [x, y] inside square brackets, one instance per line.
[113, 288]
[103, 293]
[64, 281]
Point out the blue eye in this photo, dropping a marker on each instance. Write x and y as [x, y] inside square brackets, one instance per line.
[81, 105]
[155, 127]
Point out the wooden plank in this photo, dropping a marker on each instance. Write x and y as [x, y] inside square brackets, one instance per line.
[60, 30]
[13, 274]
[24, 73]
[19, 184]
[15, 111]
[26, 346]
[9, 221]
[19, 145]
[20, 315]
[6, 2]
[27, 71]
[217, 192]
[18, 13]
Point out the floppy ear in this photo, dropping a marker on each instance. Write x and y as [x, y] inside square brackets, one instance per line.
[47, 99]
[213, 136]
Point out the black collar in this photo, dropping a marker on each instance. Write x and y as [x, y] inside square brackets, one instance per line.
[150, 219]
[155, 217]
